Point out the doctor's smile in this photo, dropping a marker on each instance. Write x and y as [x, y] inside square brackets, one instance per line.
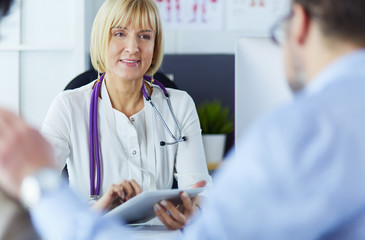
[130, 62]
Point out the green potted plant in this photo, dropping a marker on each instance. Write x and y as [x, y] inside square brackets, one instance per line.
[216, 123]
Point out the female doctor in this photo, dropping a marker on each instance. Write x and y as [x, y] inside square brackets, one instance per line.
[125, 133]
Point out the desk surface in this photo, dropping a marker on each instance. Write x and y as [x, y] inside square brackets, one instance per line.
[152, 229]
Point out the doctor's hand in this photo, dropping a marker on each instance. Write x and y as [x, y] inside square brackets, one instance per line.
[117, 194]
[23, 151]
[176, 217]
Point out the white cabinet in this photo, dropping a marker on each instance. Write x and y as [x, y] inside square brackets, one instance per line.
[42, 47]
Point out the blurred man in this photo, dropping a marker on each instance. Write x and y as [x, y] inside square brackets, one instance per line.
[14, 220]
[298, 173]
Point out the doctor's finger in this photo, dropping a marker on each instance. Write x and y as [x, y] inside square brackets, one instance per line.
[166, 219]
[116, 190]
[188, 204]
[128, 189]
[174, 212]
[136, 187]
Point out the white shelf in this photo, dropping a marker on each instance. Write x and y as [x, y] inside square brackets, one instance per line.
[40, 54]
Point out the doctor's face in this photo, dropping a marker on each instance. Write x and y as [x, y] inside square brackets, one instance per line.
[130, 52]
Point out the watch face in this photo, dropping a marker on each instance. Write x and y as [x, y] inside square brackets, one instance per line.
[30, 191]
[35, 185]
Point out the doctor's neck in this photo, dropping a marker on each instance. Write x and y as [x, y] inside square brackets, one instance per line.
[125, 95]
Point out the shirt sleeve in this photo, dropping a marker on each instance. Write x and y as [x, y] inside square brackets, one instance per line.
[56, 129]
[60, 215]
[191, 165]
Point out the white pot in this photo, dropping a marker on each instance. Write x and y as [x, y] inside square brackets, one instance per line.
[214, 149]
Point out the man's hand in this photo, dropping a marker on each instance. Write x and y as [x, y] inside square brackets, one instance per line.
[22, 151]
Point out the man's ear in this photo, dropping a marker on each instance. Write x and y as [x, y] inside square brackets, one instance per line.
[300, 25]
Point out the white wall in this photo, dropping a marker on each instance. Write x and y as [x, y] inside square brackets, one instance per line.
[42, 50]
[260, 84]
[182, 41]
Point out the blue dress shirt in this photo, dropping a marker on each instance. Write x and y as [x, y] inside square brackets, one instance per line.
[298, 173]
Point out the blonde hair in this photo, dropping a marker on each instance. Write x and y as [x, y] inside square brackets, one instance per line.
[120, 13]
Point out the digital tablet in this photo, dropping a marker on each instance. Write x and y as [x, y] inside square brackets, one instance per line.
[139, 209]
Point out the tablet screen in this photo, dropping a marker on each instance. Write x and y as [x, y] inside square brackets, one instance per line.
[140, 208]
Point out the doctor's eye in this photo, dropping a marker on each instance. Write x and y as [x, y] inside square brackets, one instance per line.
[119, 34]
[146, 36]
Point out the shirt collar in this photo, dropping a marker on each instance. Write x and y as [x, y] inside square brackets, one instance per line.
[105, 95]
[104, 91]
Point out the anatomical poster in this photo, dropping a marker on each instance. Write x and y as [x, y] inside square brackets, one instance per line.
[191, 14]
[255, 17]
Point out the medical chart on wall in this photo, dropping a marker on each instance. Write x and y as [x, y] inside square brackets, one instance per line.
[255, 17]
[191, 14]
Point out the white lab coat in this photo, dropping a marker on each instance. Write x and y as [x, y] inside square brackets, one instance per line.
[127, 151]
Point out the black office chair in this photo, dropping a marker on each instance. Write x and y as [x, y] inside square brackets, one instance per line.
[91, 75]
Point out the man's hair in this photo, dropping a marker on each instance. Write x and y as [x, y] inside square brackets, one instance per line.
[338, 19]
[4, 7]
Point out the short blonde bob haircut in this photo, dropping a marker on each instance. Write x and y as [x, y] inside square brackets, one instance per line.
[122, 13]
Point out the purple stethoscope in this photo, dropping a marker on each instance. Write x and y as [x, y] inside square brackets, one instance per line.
[93, 130]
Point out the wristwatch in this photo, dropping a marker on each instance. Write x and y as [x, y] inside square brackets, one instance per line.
[34, 186]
